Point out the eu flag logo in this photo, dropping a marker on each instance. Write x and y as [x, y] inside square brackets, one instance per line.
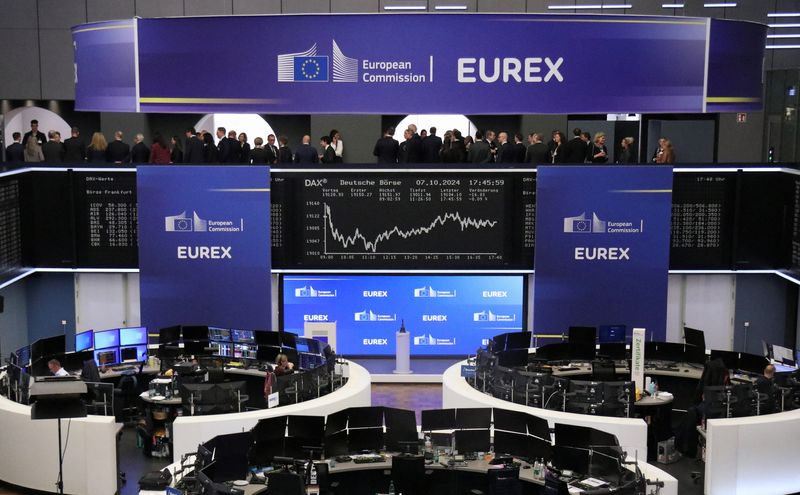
[311, 69]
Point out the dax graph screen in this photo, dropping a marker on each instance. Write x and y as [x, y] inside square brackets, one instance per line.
[445, 314]
[408, 220]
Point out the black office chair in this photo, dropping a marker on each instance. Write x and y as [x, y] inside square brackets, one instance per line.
[326, 486]
[502, 379]
[285, 483]
[526, 392]
[216, 375]
[408, 475]
[503, 481]
[603, 371]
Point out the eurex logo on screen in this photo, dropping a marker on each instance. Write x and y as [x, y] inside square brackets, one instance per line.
[183, 223]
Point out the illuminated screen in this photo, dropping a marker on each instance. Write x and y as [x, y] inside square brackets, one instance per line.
[133, 353]
[445, 314]
[106, 338]
[84, 341]
[105, 357]
[133, 336]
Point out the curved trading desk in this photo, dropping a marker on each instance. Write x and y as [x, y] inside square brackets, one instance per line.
[29, 451]
[190, 431]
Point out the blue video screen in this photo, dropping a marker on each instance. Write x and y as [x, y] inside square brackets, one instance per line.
[445, 314]
[84, 341]
[219, 334]
[106, 338]
[133, 336]
[243, 336]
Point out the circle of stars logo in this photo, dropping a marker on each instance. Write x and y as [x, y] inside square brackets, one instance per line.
[310, 68]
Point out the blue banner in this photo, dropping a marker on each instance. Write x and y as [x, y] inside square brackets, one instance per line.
[602, 248]
[204, 246]
[539, 63]
[446, 315]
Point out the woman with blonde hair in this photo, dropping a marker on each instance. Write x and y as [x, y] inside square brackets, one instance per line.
[628, 153]
[96, 152]
[33, 152]
[599, 152]
[667, 155]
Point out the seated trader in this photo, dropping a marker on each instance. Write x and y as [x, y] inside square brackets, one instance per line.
[282, 365]
[765, 384]
[55, 368]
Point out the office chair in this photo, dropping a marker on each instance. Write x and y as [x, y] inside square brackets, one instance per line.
[526, 392]
[502, 378]
[408, 475]
[603, 371]
[503, 481]
[326, 486]
[285, 483]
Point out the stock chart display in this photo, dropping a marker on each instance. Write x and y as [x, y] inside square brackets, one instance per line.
[405, 220]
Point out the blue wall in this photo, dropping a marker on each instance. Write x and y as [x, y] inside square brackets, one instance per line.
[50, 299]
[769, 303]
[13, 319]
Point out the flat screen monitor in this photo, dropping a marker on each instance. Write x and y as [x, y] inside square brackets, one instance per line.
[245, 351]
[84, 341]
[309, 361]
[133, 353]
[473, 417]
[400, 419]
[266, 337]
[540, 449]
[106, 339]
[267, 353]
[582, 335]
[106, 357]
[665, 351]
[23, 356]
[438, 419]
[518, 340]
[45, 348]
[694, 337]
[499, 342]
[221, 349]
[694, 354]
[555, 352]
[194, 332]
[615, 351]
[365, 440]
[336, 444]
[582, 352]
[608, 334]
[568, 458]
[231, 456]
[513, 358]
[538, 427]
[513, 421]
[243, 336]
[472, 441]
[288, 339]
[752, 363]
[73, 361]
[365, 417]
[133, 336]
[217, 334]
[573, 436]
[731, 359]
[195, 348]
[169, 335]
[336, 422]
[302, 345]
[514, 444]
[779, 353]
[312, 427]
[270, 429]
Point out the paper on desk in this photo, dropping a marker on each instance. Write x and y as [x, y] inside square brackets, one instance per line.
[593, 482]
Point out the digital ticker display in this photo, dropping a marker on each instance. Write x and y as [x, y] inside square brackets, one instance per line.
[444, 314]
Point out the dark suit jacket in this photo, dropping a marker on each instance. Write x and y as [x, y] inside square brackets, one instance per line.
[431, 146]
[140, 153]
[284, 154]
[537, 153]
[224, 149]
[520, 150]
[15, 153]
[260, 156]
[329, 155]
[40, 137]
[194, 151]
[74, 150]
[574, 151]
[53, 152]
[118, 152]
[506, 153]
[479, 152]
[414, 149]
[234, 153]
[244, 153]
[272, 154]
[386, 149]
[306, 154]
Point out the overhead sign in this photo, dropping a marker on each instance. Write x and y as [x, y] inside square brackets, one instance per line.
[602, 247]
[204, 246]
[332, 64]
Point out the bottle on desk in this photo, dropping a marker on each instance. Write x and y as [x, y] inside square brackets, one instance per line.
[391, 487]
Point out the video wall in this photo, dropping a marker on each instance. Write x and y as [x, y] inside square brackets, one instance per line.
[445, 314]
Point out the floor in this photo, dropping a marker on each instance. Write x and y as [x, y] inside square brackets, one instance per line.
[405, 396]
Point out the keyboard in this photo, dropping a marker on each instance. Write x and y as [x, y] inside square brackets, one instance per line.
[368, 458]
[343, 458]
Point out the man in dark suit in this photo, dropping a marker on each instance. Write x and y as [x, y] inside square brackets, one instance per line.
[479, 151]
[284, 152]
[53, 149]
[223, 146]
[15, 152]
[519, 148]
[575, 149]
[305, 152]
[432, 145]
[414, 148]
[271, 149]
[387, 147]
[74, 148]
[193, 153]
[329, 154]
[40, 137]
[140, 153]
[117, 151]
[505, 150]
[493, 145]
[537, 153]
[235, 148]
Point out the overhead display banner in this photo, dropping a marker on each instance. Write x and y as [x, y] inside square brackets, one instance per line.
[204, 246]
[310, 64]
[602, 248]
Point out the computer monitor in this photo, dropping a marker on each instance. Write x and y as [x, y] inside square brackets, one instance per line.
[438, 419]
[73, 361]
[779, 353]
[540, 448]
[134, 353]
[665, 351]
[270, 429]
[169, 335]
[512, 421]
[267, 353]
[473, 417]
[266, 337]
[518, 340]
[221, 349]
[469, 441]
[608, 334]
[218, 334]
[336, 444]
[196, 348]
[245, 351]
[194, 332]
[694, 354]
[513, 359]
[514, 444]
[288, 339]
[106, 357]
[365, 417]
[336, 422]
[23, 356]
[365, 440]
[731, 359]
[48, 347]
[311, 427]
[572, 459]
[694, 337]
[231, 456]
[243, 336]
[302, 345]
[582, 335]
[614, 351]
[309, 361]
[400, 419]
[752, 363]
[291, 354]
[106, 339]
[555, 352]
[84, 340]
[133, 336]
[538, 427]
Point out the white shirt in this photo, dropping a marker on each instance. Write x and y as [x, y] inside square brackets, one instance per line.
[61, 372]
[338, 148]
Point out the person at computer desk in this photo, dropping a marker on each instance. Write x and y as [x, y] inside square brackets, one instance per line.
[54, 365]
[282, 365]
